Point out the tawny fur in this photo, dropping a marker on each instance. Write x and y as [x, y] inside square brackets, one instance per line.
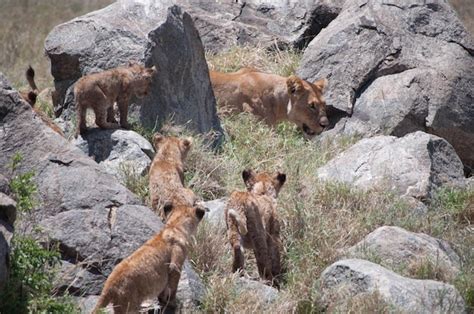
[32, 95]
[253, 222]
[166, 175]
[272, 98]
[100, 91]
[154, 269]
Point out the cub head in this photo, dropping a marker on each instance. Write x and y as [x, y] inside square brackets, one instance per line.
[307, 107]
[263, 183]
[185, 216]
[172, 146]
[142, 78]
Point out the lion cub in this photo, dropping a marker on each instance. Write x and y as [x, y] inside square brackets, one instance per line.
[31, 96]
[252, 221]
[100, 91]
[155, 268]
[166, 175]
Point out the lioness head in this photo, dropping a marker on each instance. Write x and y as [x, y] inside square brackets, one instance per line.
[172, 146]
[263, 183]
[142, 78]
[307, 107]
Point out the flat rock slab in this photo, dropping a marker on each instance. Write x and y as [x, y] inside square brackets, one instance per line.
[398, 67]
[400, 250]
[414, 165]
[357, 277]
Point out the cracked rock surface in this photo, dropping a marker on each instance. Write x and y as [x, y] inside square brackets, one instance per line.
[96, 221]
[397, 67]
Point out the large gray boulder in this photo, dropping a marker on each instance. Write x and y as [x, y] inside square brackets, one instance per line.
[7, 219]
[147, 31]
[121, 152]
[402, 251]
[413, 166]
[95, 221]
[355, 277]
[397, 67]
[223, 24]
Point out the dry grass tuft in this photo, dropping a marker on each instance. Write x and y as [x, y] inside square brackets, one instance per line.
[281, 62]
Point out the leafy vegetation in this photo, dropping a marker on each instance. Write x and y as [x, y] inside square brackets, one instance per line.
[30, 285]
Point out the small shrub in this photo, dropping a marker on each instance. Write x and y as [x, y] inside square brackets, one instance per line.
[30, 287]
[22, 186]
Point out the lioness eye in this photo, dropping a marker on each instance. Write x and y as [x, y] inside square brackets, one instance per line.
[312, 106]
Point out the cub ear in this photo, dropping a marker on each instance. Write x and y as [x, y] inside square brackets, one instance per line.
[167, 208]
[187, 142]
[294, 84]
[132, 63]
[248, 176]
[157, 138]
[321, 84]
[200, 212]
[281, 178]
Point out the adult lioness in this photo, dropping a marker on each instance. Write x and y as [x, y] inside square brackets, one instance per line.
[273, 98]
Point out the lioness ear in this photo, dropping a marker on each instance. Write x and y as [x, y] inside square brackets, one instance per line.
[294, 84]
[157, 138]
[321, 84]
[200, 212]
[248, 176]
[167, 208]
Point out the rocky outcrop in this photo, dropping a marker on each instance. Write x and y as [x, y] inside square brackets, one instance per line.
[402, 251]
[414, 165]
[121, 152]
[7, 219]
[354, 277]
[145, 31]
[397, 68]
[95, 221]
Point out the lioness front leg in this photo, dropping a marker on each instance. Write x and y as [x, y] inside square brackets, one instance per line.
[123, 109]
